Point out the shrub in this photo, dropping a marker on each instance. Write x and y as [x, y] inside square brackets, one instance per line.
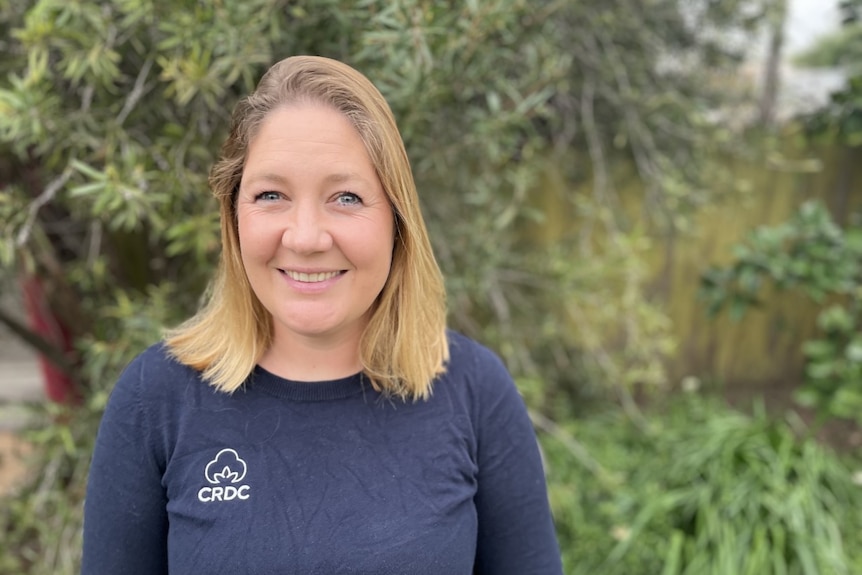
[812, 254]
[703, 490]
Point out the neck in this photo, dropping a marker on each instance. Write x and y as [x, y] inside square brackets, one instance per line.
[312, 359]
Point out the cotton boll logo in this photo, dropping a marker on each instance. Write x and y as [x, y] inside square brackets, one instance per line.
[224, 472]
[227, 467]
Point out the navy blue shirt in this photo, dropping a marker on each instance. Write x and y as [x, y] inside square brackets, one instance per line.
[285, 477]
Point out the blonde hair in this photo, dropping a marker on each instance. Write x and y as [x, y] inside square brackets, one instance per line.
[404, 346]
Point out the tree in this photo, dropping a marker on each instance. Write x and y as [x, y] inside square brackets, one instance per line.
[842, 116]
[768, 100]
[111, 113]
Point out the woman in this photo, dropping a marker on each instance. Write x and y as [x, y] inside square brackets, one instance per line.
[290, 426]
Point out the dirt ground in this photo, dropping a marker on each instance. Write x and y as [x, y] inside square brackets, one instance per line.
[13, 451]
[842, 435]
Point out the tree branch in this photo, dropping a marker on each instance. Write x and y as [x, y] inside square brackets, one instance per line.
[136, 93]
[38, 343]
[46, 196]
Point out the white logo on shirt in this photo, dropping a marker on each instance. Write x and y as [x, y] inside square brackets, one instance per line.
[224, 472]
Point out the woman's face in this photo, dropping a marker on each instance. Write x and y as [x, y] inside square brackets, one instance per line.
[316, 229]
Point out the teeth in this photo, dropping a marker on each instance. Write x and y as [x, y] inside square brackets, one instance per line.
[310, 278]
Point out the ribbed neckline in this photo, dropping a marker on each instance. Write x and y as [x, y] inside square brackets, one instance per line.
[329, 390]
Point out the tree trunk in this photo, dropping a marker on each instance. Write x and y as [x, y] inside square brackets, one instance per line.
[772, 75]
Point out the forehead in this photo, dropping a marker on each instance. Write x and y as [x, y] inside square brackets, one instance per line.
[307, 129]
[308, 140]
[304, 117]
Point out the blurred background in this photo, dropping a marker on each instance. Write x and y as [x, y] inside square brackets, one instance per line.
[649, 208]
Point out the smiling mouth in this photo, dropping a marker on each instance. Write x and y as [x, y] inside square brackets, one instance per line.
[310, 278]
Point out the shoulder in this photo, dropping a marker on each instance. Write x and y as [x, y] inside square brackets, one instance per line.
[476, 372]
[469, 358]
[157, 362]
[152, 396]
[155, 373]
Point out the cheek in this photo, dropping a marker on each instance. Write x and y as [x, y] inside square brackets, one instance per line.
[242, 233]
[255, 238]
[386, 254]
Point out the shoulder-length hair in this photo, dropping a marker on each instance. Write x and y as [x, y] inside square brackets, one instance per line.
[404, 346]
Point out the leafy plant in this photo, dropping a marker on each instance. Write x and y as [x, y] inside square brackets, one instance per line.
[842, 117]
[834, 364]
[111, 113]
[811, 254]
[706, 491]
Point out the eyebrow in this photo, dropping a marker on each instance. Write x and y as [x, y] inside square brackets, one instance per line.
[335, 178]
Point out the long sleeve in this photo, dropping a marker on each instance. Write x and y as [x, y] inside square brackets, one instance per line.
[125, 521]
[516, 532]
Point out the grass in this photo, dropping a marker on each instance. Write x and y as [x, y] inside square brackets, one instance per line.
[703, 490]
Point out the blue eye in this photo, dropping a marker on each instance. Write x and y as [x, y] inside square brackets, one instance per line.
[348, 199]
[268, 196]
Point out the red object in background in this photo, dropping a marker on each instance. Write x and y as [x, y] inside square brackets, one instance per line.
[59, 387]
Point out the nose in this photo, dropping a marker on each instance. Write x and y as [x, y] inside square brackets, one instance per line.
[307, 230]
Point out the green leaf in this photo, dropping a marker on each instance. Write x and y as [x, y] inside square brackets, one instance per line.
[818, 349]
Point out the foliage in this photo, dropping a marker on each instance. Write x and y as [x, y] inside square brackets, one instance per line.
[41, 526]
[842, 117]
[834, 364]
[42, 530]
[812, 254]
[111, 113]
[706, 491]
